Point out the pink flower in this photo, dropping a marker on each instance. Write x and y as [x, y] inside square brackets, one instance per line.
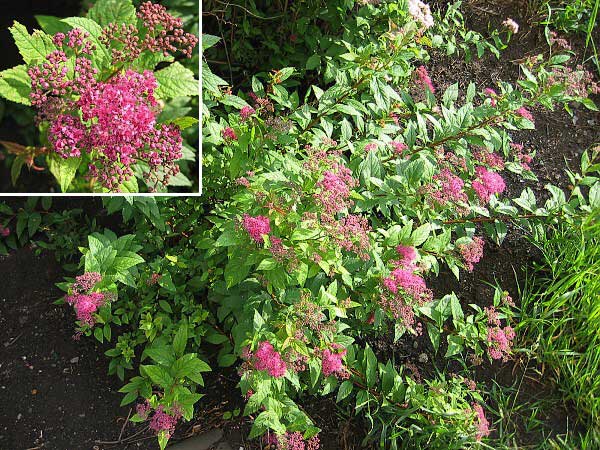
[450, 188]
[423, 79]
[4, 232]
[472, 252]
[165, 32]
[482, 423]
[406, 288]
[86, 282]
[332, 361]
[164, 422]
[278, 250]
[398, 147]
[409, 255]
[524, 112]
[256, 226]
[86, 305]
[266, 358]
[246, 112]
[143, 410]
[229, 134]
[511, 25]
[499, 342]
[67, 135]
[487, 183]
[491, 159]
[370, 147]
[335, 189]
[293, 441]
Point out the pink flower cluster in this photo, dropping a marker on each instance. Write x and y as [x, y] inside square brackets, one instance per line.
[578, 83]
[228, 134]
[499, 341]
[472, 252]
[405, 288]
[525, 114]
[423, 79]
[398, 147]
[267, 358]
[292, 441]
[448, 188]
[490, 159]
[118, 124]
[407, 282]
[256, 226]
[335, 189]
[332, 361]
[371, 146]
[421, 13]
[483, 426]
[86, 303]
[4, 231]
[522, 156]
[350, 233]
[489, 92]
[54, 82]
[163, 34]
[246, 112]
[165, 422]
[487, 183]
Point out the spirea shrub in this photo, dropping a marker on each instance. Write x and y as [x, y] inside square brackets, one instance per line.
[329, 208]
[98, 100]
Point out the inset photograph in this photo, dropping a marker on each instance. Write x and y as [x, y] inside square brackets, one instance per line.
[99, 97]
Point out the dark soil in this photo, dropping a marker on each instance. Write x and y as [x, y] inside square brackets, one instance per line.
[55, 390]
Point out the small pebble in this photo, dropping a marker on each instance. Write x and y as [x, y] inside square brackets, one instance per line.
[423, 358]
[75, 360]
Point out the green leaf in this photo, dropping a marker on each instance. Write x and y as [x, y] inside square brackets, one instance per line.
[180, 340]
[112, 11]
[184, 122]
[33, 223]
[208, 40]
[161, 355]
[64, 170]
[371, 367]
[158, 375]
[455, 345]
[51, 24]
[176, 81]
[15, 169]
[344, 391]
[420, 234]
[594, 195]
[226, 360]
[15, 85]
[33, 47]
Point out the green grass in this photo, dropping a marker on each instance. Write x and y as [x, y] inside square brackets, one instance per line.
[561, 315]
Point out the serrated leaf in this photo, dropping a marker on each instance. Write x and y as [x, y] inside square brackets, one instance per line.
[64, 170]
[15, 85]
[118, 12]
[34, 47]
[176, 81]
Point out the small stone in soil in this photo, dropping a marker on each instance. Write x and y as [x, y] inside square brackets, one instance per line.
[423, 358]
[75, 360]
